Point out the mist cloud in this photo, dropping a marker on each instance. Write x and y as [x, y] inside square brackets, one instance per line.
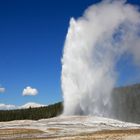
[94, 44]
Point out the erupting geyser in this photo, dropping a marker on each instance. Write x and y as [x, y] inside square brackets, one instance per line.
[94, 44]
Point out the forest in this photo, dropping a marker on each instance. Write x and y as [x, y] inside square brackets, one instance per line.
[32, 113]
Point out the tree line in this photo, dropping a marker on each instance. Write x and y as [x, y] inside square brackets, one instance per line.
[32, 113]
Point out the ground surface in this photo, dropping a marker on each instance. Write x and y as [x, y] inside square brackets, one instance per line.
[70, 128]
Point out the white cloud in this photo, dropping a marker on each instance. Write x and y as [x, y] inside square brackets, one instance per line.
[27, 105]
[2, 89]
[30, 91]
[7, 107]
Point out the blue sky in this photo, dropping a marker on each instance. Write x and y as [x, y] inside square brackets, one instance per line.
[32, 34]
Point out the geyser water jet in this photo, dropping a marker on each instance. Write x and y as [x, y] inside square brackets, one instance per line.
[94, 44]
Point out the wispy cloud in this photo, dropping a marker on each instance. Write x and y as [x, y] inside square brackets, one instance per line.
[29, 91]
[2, 89]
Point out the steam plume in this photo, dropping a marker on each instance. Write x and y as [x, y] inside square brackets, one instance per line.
[94, 44]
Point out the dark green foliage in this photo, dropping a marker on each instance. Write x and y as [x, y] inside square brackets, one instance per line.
[32, 113]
